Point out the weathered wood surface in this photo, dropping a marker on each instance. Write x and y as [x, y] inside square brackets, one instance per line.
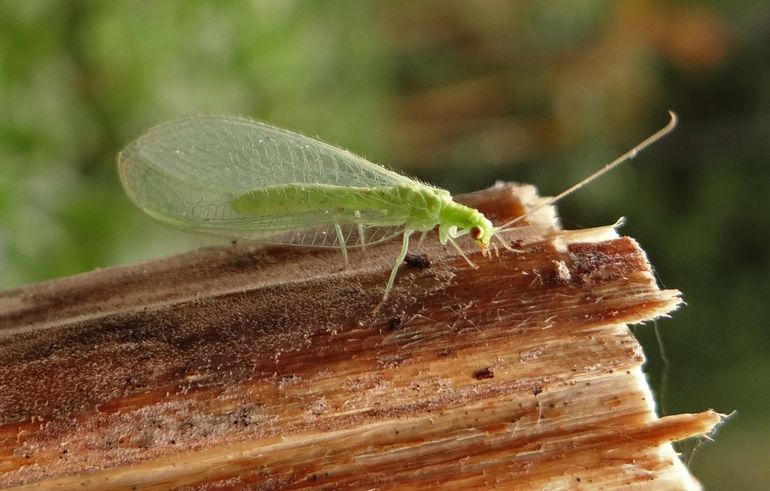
[242, 367]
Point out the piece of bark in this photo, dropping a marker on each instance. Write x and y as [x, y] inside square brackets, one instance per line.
[241, 366]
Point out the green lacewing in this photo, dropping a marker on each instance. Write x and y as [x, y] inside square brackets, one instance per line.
[239, 178]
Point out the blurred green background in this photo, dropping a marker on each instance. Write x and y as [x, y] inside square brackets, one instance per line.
[457, 93]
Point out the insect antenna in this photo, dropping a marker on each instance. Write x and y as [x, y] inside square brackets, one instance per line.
[607, 167]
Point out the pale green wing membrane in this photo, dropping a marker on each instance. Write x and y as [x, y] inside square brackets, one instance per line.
[189, 173]
[326, 235]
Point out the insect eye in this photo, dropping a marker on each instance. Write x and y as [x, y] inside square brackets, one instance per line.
[476, 232]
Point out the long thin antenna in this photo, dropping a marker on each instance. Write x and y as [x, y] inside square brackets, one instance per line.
[608, 167]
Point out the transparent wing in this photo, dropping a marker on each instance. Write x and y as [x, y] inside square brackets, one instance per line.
[302, 229]
[326, 236]
[188, 173]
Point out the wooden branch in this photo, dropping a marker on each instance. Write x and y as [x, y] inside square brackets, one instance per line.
[239, 366]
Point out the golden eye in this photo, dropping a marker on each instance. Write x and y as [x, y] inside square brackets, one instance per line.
[477, 233]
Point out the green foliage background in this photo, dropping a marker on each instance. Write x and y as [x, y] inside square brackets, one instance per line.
[457, 93]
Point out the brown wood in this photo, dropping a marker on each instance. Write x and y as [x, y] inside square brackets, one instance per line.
[240, 366]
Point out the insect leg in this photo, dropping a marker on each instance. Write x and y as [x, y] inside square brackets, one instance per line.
[504, 243]
[493, 247]
[361, 236]
[422, 236]
[341, 241]
[399, 260]
[452, 241]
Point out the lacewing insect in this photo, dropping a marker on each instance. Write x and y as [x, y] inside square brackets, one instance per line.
[239, 178]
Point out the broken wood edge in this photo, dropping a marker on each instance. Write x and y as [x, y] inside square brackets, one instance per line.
[413, 291]
[182, 470]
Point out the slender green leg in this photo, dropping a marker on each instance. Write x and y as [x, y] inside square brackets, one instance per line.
[341, 241]
[399, 260]
[361, 236]
[422, 237]
[504, 243]
[467, 260]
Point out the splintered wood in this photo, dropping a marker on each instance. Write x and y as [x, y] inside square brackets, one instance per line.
[243, 367]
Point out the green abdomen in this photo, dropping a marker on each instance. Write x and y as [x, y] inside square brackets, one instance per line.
[324, 203]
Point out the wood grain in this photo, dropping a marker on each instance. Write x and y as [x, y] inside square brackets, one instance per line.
[239, 367]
